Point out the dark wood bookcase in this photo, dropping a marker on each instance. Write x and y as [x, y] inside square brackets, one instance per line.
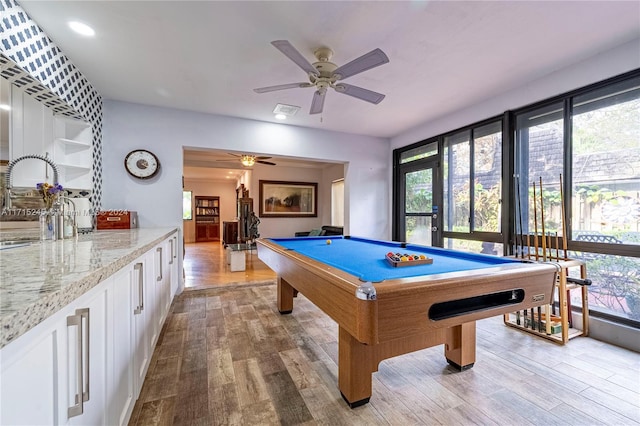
[207, 215]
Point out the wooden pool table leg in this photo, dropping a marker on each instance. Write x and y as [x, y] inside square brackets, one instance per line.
[460, 346]
[355, 366]
[285, 297]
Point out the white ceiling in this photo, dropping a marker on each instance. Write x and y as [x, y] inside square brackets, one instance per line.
[444, 55]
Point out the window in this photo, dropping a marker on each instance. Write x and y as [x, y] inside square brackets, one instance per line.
[418, 153]
[540, 158]
[606, 161]
[473, 179]
[337, 202]
[186, 205]
[590, 142]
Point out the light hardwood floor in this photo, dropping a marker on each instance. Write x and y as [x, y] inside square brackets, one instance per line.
[226, 356]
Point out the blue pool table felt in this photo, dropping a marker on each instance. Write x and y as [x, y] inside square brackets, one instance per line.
[366, 260]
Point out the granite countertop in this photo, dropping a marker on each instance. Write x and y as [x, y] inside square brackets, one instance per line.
[39, 279]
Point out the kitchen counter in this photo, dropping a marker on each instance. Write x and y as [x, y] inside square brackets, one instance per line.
[39, 279]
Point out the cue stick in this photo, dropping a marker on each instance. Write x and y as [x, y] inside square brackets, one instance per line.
[535, 221]
[544, 235]
[540, 319]
[557, 245]
[563, 220]
[533, 323]
[519, 218]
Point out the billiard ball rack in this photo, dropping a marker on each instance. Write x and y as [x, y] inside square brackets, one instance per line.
[410, 260]
[560, 327]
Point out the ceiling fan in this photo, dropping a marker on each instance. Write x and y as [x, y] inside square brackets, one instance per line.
[324, 74]
[249, 160]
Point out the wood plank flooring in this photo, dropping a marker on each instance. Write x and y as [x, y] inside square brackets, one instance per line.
[227, 357]
[205, 266]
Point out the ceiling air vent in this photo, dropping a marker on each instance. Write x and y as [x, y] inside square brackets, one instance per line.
[288, 110]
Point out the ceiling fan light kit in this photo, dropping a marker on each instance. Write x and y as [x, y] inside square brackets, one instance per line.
[248, 160]
[324, 74]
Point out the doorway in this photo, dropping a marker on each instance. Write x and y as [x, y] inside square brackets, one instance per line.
[418, 205]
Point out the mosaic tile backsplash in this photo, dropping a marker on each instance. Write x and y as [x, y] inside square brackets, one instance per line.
[29, 59]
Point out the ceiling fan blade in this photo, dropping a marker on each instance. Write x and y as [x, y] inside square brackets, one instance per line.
[360, 93]
[290, 52]
[266, 162]
[281, 87]
[318, 102]
[262, 158]
[365, 62]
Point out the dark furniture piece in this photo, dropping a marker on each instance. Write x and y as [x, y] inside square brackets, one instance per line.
[245, 208]
[384, 311]
[325, 230]
[229, 233]
[207, 217]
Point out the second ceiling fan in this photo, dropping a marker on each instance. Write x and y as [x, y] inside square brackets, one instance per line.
[324, 74]
[249, 160]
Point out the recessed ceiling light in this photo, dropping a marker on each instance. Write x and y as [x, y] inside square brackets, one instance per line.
[82, 29]
[281, 117]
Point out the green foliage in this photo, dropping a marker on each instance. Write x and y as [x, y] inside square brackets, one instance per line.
[599, 130]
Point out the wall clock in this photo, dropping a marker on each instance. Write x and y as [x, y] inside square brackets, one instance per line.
[142, 164]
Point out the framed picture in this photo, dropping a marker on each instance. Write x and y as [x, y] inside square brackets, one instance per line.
[288, 199]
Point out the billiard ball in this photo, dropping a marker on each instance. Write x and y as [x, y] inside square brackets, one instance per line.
[328, 242]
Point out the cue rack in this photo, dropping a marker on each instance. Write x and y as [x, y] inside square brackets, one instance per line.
[552, 324]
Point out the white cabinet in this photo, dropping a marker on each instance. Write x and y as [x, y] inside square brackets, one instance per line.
[142, 313]
[56, 373]
[28, 387]
[82, 388]
[164, 262]
[174, 279]
[120, 380]
[35, 130]
[86, 363]
[31, 134]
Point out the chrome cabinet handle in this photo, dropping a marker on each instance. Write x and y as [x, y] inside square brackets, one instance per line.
[159, 250]
[140, 307]
[84, 314]
[172, 256]
[82, 360]
[175, 251]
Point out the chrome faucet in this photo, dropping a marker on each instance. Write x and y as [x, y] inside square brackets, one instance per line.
[74, 229]
[8, 186]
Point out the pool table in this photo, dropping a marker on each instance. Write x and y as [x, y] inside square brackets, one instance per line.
[384, 310]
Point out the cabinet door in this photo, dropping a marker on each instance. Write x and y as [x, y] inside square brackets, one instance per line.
[29, 382]
[174, 279]
[163, 255]
[84, 363]
[141, 347]
[31, 134]
[120, 379]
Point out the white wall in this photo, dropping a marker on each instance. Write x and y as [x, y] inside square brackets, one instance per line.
[165, 132]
